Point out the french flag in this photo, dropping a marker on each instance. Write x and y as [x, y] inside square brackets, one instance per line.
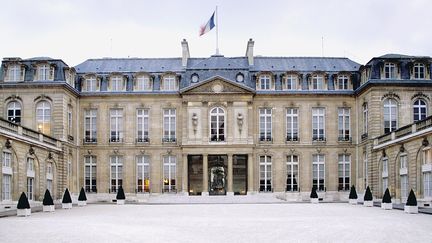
[210, 25]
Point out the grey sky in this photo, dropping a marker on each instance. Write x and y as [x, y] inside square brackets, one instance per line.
[75, 30]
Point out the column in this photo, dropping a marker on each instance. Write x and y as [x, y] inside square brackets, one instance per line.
[230, 175]
[250, 187]
[185, 177]
[205, 176]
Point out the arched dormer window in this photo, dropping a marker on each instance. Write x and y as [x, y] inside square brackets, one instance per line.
[317, 82]
[390, 115]
[169, 83]
[217, 125]
[390, 71]
[143, 82]
[14, 111]
[91, 84]
[265, 82]
[117, 83]
[419, 71]
[43, 117]
[419, 110]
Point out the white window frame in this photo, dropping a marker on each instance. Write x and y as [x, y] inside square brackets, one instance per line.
[116, 125]
[116, 172]
[292, 124]
[427, 184]
[292, 174]
[44, 71]
[43, 116]
[143, 174]
[390, 114]
[419, 71]
[390, 71]
[169, 125]
[169, 173]
[318, 126]
[418, 106]
[344, 171]
[344, 124]
[265, 174]
[365, 117]
[291, 82]
[366, 168]
[265, 124]
[317, 82]
[90, 173]
[169, 83]
[90, 126]
[265, 82]
[217, 125]
[343, 82]
[116, 83]
[143, 123]
[318, 172]
[7, 175]
[143, 83]
[15, 73]
[70, 120]
[14, 106]
[30, 178]
[90, 84]
[384, 174]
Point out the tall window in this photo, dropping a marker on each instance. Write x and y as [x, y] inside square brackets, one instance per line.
[116, 83]
[292, 173]
[14, 112]
[143, 126]
[90, 173]
[90, 84]
[365, 167]
[45, 72]
[143, 173]
[7, 175]
[344, 124]
[30, 178]
[390, 71]
[217, 124]
[427, 172]
[291, 81]
[116, 125]
[49, 176]
[90, 126]
[292, 128]
[265, 124]
[116, 172]
[390, 115]
[43, 117]
[343, 82]
[365, 118]
[169, 125]
[169, 173]
[419, 110]
[403, 172]
[69, 120]
[384, 174]
[318, 124]
[344, 168]
[169, 83]
[143, 83]
[14, 73]
[419, 71]
[318, 172]
[265, 82]
[317, 82]
[265, 173]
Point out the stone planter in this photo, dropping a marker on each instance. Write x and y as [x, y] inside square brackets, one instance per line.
[48, 208]
[82, 203]
[120, 201]
[314, 200]
[387, 206]
[368, 203]
[66, 205]
[410, 209]
[24, 212]
[353, 201]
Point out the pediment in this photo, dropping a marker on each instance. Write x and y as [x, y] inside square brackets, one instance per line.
[217, 85]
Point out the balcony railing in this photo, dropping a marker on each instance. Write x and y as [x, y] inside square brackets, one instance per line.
[169, 140]
[318, 139]
[89, 140]
[344, 139]
[290, 138]
[142, 140]
[265, 139]
[115, 140]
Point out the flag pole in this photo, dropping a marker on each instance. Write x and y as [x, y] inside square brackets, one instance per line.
[217, 32]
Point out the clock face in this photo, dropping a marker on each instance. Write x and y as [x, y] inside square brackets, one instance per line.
[217, 88]
[240, 77]
[195, 78]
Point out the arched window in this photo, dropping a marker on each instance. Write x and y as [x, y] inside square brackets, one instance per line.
[419, 110]
[43, 117]
[14, 112]
[217, 125]
[390, 115]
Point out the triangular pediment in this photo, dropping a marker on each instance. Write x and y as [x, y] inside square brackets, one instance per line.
[217, 85]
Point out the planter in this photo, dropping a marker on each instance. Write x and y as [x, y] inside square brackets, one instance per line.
[387, 206]
[314, 200]
[368, 203]
[82, 203]
[24, 212]
[353, 201]
[410, 209]
[48, 208]
[66, 205]
[120, 201]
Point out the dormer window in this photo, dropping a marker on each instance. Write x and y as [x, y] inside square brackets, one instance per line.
[143, 83]
[14, 73]
[70, 77]
[116, 83]
[45, 72]
[194, 78]
[317, 82]
[419, 71]
[390, 71]
[169, 83]
[91, 84]
[265, 82]
[291, 82]
[343, 82]
[240, 78]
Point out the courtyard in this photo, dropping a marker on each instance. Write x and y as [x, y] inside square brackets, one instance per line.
[289, 222]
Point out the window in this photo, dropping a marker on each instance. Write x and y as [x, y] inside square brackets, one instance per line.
[365, 76]
[344, 124]
[317, 82]
[292, 173]
[49, 176]
[143, 126]
[7, 160]
[291, 81]
[45, 72]
[389, 71]
[390, 115]
[169, 83]
[116, 83]
[14, 112]
[365, 166]
[318, 172]
[143, 83]
[169, 124]
[318, 124]
[30, 178]
[116, 125]
[403, 172]
[265, 82]
[169, 173]
[90, 126]
[343, 82]
[7, 175]
[90, 174]
[265, 124]
[143, 173]
[419, 71]
[43, 117]
[217, 125]
[69, 120]
[344, 168]
[292, 128]
[384, 174]
[419, 110]
[265, 173]
[365, 118]
[116, 172]
[91, 84]
[70, 77]
[14, 73]
[427, 184]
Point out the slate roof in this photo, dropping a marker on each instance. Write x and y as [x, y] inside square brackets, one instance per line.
[400, 56]
[328, 64]
[108, 65]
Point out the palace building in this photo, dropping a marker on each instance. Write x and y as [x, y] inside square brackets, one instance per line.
[216, 126]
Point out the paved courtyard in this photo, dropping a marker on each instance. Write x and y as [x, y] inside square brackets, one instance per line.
[326, 222]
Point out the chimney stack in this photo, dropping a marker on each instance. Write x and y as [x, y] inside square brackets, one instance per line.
[185, 52]
[249, 52]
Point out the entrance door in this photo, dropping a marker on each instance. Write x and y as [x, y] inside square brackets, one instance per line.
[195, 174]
[217, 171]
[240, 174]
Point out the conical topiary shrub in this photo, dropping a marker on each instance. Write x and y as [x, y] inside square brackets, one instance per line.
[314, 195]
[120, 196]
[82, 198]
[411, 204]
[48, 203]
[386, 201]
[23, 207]
[67, 201]
[368, 199]
[353, 196]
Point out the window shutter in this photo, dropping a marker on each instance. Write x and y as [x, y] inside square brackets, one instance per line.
[98, 81]
[22, 74]
[35, 73]
[51, 74]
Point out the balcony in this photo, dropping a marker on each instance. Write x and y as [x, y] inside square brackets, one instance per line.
[319, 139]
[169, 140]
[292, 138]
[88, 140]
[264, 139]
[364, 136]
[142, 140]
[115, 139]
[345, 139]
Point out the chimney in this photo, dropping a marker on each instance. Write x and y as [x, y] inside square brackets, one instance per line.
[249, 52]
[185, 52]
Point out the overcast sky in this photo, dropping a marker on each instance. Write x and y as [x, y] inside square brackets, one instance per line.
[76, 30]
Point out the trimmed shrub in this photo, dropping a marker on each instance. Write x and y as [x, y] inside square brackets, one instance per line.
[313, 193]
[47, 200]
[67, 197]
[386, 197]
[23, 202]
[120, 194]
[412, 200]
[82, 196]
[368, 195]
[353, 193]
